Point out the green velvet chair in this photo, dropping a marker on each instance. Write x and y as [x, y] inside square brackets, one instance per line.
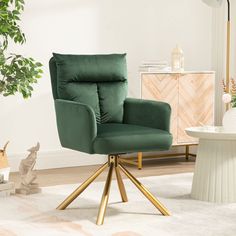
[94, 116]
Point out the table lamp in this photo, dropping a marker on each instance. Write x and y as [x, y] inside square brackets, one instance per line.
[217, 3]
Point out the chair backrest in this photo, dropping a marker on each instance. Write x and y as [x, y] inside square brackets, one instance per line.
[99, 81]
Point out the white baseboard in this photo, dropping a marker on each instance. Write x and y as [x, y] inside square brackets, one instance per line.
[58, 159]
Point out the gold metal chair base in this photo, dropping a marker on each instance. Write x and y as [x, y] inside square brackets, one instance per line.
[113, 163]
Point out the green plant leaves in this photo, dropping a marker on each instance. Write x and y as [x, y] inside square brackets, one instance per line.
[17, 73]
[233, 101]
[9, 17]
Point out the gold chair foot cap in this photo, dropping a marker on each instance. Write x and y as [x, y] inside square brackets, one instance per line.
[60, 209]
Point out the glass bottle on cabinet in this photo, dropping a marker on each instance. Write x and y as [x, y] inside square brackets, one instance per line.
[177, 59]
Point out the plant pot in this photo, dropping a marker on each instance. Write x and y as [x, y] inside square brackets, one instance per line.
[229, 120]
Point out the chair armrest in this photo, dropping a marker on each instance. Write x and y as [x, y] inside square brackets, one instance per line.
[76, 124]
[147, 113]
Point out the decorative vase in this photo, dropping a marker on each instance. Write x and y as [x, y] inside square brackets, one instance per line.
[229, 120]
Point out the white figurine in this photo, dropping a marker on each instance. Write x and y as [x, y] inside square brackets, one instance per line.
[27, 174]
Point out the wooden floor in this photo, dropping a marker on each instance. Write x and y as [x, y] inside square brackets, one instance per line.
[73, 175]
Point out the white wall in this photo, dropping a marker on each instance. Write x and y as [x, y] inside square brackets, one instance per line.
[219, 52]
[145, 29]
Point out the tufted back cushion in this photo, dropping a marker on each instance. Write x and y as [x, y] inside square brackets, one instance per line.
[99, 81]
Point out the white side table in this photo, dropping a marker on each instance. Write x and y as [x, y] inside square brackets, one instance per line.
[215, 170]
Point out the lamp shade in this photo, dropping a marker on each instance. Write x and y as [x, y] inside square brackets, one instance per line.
[213, 3]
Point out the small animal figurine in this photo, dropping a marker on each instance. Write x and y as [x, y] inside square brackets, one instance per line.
[27, 174]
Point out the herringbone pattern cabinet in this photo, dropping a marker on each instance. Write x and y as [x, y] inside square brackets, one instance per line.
[191, 96]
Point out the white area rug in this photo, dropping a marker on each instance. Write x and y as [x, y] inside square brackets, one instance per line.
[36, 215]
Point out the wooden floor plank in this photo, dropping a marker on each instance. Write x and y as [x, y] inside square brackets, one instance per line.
[73, 175]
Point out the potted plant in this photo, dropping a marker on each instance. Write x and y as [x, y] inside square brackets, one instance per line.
[229, 119]
[17, 73]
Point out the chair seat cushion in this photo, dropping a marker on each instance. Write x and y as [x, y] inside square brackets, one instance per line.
[113, 138]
